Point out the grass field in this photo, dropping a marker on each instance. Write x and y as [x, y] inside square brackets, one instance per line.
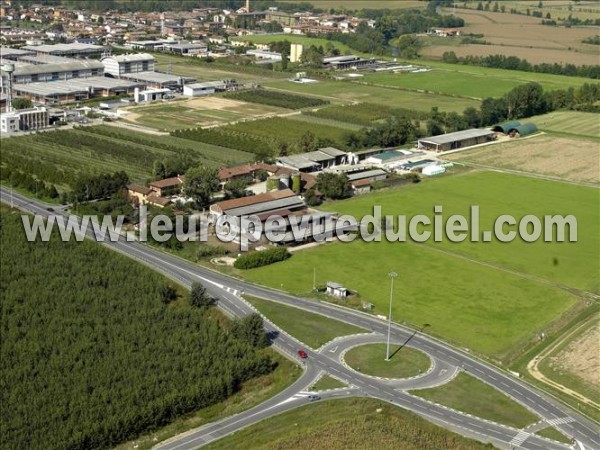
[569, 123]
[553, 433]
[327, 382]
[312, 329]
[404, 362]
[197, 112]
[296, 39]
[441, 284]
[469, 395]
[471, 81]
[344, 424]
[557, 156]
[346, 92]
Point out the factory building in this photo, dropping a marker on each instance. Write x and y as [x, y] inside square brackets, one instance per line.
[73, 50]
[119, 65]
[24, 120]
[33, 73]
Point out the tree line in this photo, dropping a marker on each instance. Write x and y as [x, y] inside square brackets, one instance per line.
[93, 352]
[516, 63]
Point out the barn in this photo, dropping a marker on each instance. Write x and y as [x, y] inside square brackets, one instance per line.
[459, 139]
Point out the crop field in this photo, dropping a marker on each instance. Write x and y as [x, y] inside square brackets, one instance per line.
[61, 156]
[470, 81]
[347, 91]
[363, 114]
[276, 98]
[197, 112]
[523, 36]
[441, 283]
[296, 39]
[568, 159]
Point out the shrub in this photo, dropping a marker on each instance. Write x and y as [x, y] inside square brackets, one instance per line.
[261, 258]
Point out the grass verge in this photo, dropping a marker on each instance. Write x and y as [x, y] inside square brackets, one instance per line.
[327, 382]
[469, 395]
[312, 329]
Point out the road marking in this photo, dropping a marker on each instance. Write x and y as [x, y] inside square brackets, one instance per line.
[334, 349]
[520, 438]
[560, 421]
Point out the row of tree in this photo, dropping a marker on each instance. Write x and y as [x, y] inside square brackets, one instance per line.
[516, 63]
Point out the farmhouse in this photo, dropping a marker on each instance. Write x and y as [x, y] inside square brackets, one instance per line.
[168, 186]
[271, 202]
[444, 32]
[459, 139]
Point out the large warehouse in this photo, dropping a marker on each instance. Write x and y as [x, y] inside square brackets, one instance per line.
[74, 50]
[459, 139]
[64, 70]
[130, 63]
[73, 90]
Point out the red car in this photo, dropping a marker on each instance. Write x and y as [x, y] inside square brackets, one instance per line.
[302, 354]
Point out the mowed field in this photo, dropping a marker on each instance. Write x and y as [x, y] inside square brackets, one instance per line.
[195, 112]
[568, 159]
[347, 92]
[471, 81]
[490, 297]
[522, 36]
[581, 124]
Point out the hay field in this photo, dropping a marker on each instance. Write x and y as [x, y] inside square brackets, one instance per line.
[569, 159]
[575, 123]
[523, 36]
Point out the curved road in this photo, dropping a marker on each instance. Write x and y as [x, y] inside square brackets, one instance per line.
[228, 291]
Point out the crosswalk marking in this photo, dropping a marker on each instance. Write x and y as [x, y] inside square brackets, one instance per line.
[520, 438]
[560, 421]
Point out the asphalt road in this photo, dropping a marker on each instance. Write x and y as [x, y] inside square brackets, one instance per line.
[228, 291]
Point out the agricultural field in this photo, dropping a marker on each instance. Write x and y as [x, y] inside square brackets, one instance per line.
[61, 156]
[97, 349]
[348, 91]
[575, 363]
[471, 81]
[276, 98]
[363, 114]
[569, 159]
[569, 123]
[443, 280]
[197, 112]
[296, 39]
[343, 424]
[368, 4]
[267, 136]
[521, 36]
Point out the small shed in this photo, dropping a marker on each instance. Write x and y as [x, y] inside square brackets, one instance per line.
[336, 289]
[505, 127]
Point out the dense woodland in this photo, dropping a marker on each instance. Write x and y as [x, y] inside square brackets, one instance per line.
[94, 350]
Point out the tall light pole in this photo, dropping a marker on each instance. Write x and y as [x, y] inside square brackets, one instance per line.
[392, 275]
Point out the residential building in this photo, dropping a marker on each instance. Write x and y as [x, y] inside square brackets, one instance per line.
[168, 186]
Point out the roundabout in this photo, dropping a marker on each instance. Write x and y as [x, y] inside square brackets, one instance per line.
[404, 362]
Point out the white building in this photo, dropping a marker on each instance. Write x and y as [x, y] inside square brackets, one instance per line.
[9, 122]
[129, 63]
[24, 120]
[296, 52]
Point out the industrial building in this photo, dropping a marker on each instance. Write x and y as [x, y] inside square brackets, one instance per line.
[265, 54]
[73, 50]
[347, 62]
[130, 63]
[24, 120]
[209, 87]
[314, 161]
[73, 90]
[68, 69]
[459, 139]
[158, 80]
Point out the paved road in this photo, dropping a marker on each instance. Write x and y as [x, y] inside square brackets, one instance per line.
[228, 291]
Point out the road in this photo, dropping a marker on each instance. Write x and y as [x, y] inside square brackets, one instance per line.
[229, 290]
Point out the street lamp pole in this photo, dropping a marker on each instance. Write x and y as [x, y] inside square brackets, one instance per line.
[392, 275]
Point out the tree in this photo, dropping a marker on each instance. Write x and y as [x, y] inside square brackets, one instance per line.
[311, 57]
[52, 192]
[333, 185]
[308, 142]
[310, 197]
[200, 183]
[22, 103]
[158, 170]
[472, 117]
[250, 329]
[167, 293]
[496, 7]
[236, 188]
[409, 46]
[480, 6]
[198, 296]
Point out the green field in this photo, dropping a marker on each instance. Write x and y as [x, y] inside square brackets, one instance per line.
[467, 394]
[187, 114]
[312, 329]
[296, 39]
[553, 433]
[404, 362]
[467, 292]
[327, 382]
[569, 123]
[346, 424]
[61, 156]
[347, 91]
